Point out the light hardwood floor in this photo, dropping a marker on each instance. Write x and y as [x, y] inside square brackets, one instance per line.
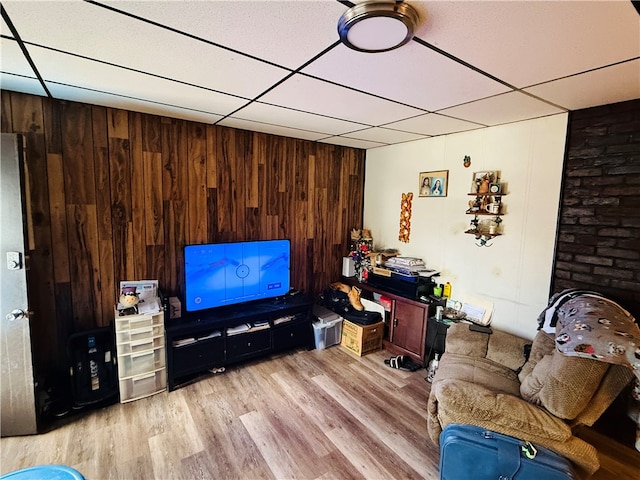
[304, 415]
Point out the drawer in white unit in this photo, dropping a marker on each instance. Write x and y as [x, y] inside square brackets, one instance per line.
[128, 322]
[139, 334]
[139, 363]
[143, 385]
[137, 346]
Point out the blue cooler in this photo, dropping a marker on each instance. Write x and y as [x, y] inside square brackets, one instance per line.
[44, 472]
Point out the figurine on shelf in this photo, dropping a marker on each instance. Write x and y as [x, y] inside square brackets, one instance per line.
[484, 184]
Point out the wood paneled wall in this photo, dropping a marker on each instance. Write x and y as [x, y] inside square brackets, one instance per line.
[116, 195]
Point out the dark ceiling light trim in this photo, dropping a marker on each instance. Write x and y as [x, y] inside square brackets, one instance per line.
[25, 52]
[377, 26]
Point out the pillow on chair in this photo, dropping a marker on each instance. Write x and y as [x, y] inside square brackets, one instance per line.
[563, 385]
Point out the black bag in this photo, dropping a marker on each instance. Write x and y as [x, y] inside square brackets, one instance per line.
[337, 301]
[467, 451]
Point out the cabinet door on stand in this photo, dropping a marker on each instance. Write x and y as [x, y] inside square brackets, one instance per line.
[408, 328]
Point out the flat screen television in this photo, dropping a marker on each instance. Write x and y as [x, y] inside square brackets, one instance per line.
[219, 274]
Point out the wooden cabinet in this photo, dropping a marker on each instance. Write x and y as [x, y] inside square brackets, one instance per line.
[408, 327]
[405, 324]
[141, 355]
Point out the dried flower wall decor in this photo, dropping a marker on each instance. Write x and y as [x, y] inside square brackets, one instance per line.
[405, 217]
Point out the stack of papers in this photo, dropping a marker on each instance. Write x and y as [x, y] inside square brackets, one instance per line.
[238, 329]
[147, 291]
[407, 265]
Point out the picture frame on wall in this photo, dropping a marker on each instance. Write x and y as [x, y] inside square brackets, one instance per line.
[433, 184]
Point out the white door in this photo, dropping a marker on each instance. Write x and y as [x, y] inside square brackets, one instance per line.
[17, 403]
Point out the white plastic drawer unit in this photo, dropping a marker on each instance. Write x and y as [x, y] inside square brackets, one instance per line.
[139, 363]
[143, 385]
[140, 344]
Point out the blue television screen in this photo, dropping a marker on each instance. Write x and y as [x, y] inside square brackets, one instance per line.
[221, 274]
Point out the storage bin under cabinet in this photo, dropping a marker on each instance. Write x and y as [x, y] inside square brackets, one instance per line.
[141, 353]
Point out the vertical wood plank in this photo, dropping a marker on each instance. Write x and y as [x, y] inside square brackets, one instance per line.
[151, 133]
[212, 165]
[225, 155]
[58, 213]
[174, 152]
[77, 150]
[120, 173]
[155, 260]
[175, 240]
[6, 115]
[153, 213]
[252, 194]
[103, 211]
[52, 127]
[139, 188]
[242, 150]
[311, 196]
[118, 123]
[26, 113]
[197, 192]
[84, 260]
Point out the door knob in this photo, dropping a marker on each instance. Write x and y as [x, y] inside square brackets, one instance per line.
[16, 314]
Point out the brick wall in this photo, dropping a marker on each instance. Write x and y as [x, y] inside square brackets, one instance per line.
[598, 244]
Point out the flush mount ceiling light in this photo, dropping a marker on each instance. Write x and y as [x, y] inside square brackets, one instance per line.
[377, 26]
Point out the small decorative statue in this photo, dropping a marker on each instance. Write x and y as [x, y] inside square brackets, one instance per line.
[484, 184]
[128, 301]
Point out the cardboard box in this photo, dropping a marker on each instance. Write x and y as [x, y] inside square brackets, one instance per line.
[362, 339]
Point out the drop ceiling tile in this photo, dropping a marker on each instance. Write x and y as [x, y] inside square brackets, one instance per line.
[21, 84]
[385, 135]
[15, 72]
[413, 74]
[106, 99]
[271, 129]
[4, 29]
[12, 60]
[95, 32]
[505, 108]
[79, 72]
[433, 124]
[287, 33]
[311, 95]
[351, 142]
[526, 43]
[613, 84]
[275, 115]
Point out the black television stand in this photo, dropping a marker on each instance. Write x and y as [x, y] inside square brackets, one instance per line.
[210, 339]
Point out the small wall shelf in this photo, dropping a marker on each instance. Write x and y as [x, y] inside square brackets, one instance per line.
[487, 210]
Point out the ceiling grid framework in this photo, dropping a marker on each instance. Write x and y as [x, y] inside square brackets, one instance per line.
[278, 66]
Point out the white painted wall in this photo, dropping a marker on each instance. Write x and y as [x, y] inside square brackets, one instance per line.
[515, 272]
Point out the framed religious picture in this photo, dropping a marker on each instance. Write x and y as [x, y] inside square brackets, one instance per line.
[433, 184]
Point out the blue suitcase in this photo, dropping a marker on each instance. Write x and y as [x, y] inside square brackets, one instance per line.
[470, 452]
